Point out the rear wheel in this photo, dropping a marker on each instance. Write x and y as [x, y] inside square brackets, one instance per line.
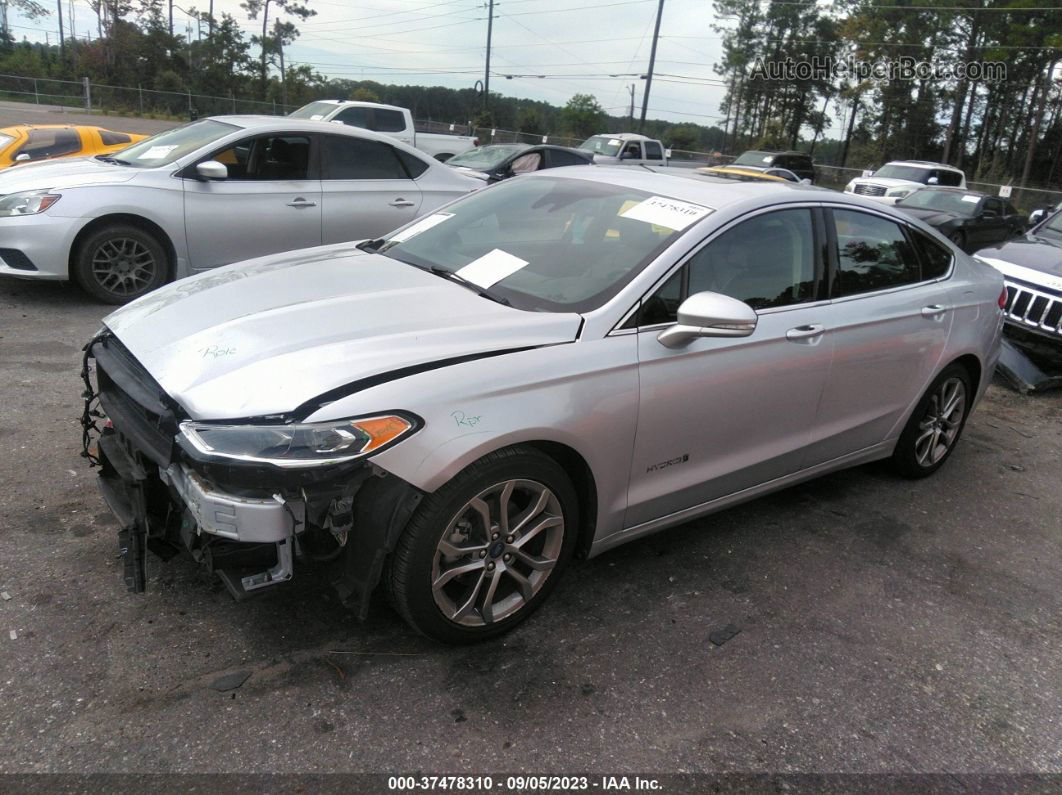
[935, 425]
[484, 551]
[121, 262]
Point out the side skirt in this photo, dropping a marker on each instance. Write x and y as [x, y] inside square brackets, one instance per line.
[875, 453]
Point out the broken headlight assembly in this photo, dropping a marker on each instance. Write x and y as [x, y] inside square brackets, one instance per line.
[27, 202]
[299, 444]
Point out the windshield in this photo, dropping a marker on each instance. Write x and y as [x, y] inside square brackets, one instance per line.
[943, 200]
[602, 145]
[170, 146]
[486, 158]
[4, 141]
[544, 243]
[755, 159]
[314, 111]
[1053, 226]
[909, 173]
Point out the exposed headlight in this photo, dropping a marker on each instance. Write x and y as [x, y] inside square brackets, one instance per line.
[298, 444]
[27, 202]
[899, 193]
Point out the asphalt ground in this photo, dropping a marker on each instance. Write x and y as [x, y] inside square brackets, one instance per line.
[884, 626]
[28, 113]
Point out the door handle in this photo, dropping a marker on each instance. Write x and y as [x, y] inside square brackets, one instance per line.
[808, 332]
[301, 202]
[402, 203]
[933, 310]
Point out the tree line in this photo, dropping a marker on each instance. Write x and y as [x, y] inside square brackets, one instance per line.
[1006, 130]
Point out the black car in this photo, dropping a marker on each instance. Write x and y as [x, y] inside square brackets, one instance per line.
[971, 220]
[1032, 269]
[799, 163]
[496, 162]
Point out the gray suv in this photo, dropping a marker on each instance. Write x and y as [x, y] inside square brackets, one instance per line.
[552, 366]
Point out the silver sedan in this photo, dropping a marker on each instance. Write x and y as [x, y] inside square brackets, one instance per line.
[552, 366]
[207, 194]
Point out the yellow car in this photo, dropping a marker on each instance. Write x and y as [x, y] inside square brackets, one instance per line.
[750, 174]
[26, 143]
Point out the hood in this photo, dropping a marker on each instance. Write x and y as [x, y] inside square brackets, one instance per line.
[931, 217]
[266, 336]
[67, 172]
[1033, 259]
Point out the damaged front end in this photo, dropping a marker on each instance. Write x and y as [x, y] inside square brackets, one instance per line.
[244, 517]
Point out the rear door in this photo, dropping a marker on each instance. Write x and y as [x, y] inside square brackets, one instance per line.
[366, 189]
[888, 326]
[270, 201]
[721, 415]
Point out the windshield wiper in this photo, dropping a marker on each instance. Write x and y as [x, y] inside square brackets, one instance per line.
[458, 279]
[109, 159]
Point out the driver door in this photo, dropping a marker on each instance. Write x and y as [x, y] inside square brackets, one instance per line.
[724, 414]
[270, 202]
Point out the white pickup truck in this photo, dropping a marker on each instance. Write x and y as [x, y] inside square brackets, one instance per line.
[630, 149]
[388, 120]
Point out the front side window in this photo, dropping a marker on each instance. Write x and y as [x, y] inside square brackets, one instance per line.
[633, 151]
[525, 164]
[346, 157]
[951, 179]
[545, 243]
[767, 261]
[42, 144]
[653, 151]
[268, 158]
[993, 206]
[872, 254]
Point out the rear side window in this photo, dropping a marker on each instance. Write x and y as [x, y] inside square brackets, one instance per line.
[389, 121]
[951, 179]
[936, 259]
[43, 144]
[113, 138]
[653, 151]
[872, 254]
[558, 158]
[356, 158]
[414, 165]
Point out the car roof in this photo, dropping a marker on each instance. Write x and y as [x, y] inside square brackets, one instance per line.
[929, 163]
[355, 103]
[776, 152]
[265, 123]
[687, 185]
[624, 136]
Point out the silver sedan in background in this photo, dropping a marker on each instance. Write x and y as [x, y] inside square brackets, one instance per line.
[209, 193]
[561, 363]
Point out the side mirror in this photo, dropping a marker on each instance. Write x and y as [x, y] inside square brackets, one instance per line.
[932, 181]
[626, 154]
[22, 158]
[1036, 216]
[805, 181]
[989, 214]
[709, 315]
[212, 170]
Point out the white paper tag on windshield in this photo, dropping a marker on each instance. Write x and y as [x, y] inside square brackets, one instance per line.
[491, 268]
[423, 225]
[667, 212]
[972, 199]
[157, 152]
[317, 117]
[614, 142]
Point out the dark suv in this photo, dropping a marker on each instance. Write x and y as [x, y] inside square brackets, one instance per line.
[799, 163]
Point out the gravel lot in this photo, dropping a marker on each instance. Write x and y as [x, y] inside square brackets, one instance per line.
[885, 626]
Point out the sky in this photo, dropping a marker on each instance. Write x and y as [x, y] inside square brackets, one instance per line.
[577, 45]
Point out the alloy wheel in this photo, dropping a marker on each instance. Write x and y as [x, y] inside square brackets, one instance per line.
[123, 266]
[497, 552]
[941, 423]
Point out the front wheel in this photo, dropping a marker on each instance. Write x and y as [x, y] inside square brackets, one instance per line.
[959, 239]
[484, 551]
[121, 262]
[935, 425]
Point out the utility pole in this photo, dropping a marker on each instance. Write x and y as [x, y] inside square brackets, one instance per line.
[171, 18]
[62, 42]
[652, 63]
[630, 118]
[486, 71]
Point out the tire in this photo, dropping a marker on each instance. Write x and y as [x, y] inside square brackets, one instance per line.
[928, 440]
[119, 263]
[449, 531]
[959, 239]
